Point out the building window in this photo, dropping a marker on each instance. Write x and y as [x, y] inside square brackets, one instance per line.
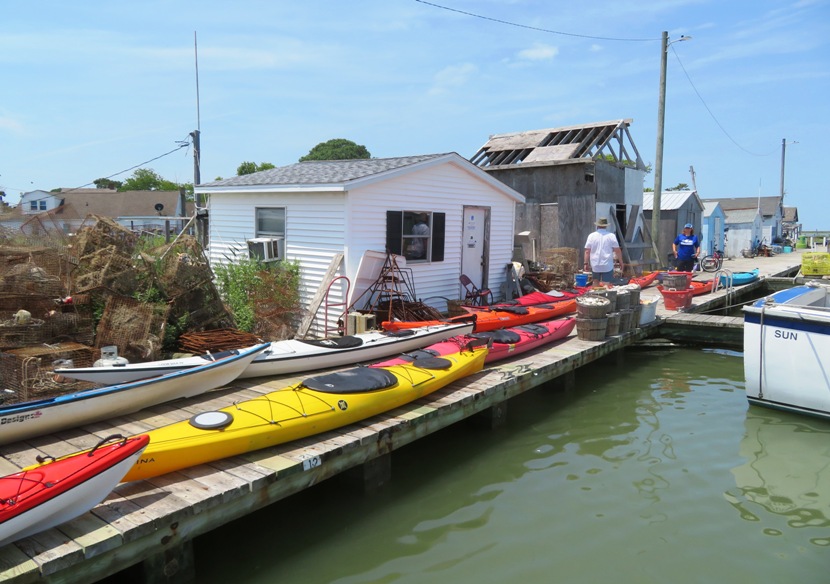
[270, 222]
[268, 244]
[43, 205]
[33, 206]
[416, 235]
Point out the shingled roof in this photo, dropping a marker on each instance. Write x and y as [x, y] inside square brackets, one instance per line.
[321, 172]
[767, 205]
[559, 145]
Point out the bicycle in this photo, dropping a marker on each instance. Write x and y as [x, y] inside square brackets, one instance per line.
[713, 262]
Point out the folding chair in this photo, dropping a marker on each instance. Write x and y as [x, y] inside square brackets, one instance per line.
[475, 296]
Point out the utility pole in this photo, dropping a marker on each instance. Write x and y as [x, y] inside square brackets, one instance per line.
[661, 122]
[658, 157]
[201, 214]
[783, 150]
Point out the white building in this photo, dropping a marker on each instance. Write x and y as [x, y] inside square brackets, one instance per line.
[311, 211]
[713, 231]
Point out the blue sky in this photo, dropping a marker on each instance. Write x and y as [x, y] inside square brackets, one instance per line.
[90, 89]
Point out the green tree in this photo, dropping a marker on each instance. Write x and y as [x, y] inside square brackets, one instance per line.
[146, 179]
[679, 187]
[105, 183]
[252, 167]
[337, 149]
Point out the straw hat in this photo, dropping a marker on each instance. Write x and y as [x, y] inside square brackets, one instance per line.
[602, 222]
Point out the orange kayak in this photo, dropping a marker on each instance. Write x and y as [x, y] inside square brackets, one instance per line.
[701, 287]
[644, 280]
[490, 319]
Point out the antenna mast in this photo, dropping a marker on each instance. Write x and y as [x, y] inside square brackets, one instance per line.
[201, 212]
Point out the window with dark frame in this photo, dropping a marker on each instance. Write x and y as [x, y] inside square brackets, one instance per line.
[416, 235]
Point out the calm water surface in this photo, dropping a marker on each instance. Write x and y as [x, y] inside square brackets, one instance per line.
[654, 471]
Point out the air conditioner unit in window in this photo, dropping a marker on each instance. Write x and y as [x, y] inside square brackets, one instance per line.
[267, 249]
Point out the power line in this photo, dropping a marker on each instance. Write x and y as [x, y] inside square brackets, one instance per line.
[700, 97]
[181, 144]
[570, 34]
[688, 77]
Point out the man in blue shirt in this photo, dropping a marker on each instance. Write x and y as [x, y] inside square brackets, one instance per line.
[686, 247]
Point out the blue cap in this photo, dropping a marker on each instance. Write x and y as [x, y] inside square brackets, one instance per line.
[688, 226]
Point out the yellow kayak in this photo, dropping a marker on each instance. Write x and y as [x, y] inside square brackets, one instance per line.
[315, 405]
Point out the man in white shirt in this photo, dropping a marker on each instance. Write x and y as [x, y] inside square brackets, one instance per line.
[601, 249]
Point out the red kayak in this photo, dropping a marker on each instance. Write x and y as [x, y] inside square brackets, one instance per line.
[645, 280]
[505, 342]
[490, 319]
[56, 491]
[537, 297]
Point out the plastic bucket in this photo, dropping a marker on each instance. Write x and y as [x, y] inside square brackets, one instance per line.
[676, 299]
[581, 280]
[788, 249]
[649, 310]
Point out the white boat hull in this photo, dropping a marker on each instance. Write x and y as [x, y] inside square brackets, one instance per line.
[68, 505]
[293, 356]
[282, 357]
[787, 351]
[29, 419]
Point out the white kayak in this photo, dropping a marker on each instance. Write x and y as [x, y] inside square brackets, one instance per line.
[284, 357]
[35, 418]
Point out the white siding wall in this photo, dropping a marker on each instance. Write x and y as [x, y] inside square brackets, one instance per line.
[316, 230]
[444, 189]
[314, 226]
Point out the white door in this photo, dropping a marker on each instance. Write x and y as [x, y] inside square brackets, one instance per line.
[474, 245]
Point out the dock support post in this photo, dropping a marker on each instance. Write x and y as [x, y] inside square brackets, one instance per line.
[567, 381]
[619, 357]
[490, 418]
[175, 564]
[372, 475]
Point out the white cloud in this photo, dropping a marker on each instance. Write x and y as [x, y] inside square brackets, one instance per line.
[452, 76]
[11, 125]
[539, 52]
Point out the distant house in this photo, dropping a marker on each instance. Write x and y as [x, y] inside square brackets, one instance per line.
[713, 231]
[791, 226]
[676, 209]
[771, 210]
[311, 211]
[745, 228]
[65, 210]
[569, 177]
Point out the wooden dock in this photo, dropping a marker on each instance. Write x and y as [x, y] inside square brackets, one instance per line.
[151, 524]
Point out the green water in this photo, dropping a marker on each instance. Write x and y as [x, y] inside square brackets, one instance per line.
[654, 471]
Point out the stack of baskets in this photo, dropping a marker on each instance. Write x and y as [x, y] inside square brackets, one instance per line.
[630, 312]
[592, 317]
